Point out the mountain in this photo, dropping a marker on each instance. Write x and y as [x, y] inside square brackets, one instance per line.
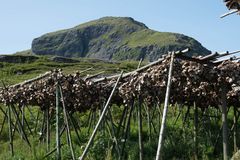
[114, 38]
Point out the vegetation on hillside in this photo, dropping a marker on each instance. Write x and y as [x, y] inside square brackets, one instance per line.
[178, 140]
[114, 38]
[12, 73]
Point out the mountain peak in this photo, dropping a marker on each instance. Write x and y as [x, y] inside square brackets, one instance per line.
[113, 38]
[114, 21]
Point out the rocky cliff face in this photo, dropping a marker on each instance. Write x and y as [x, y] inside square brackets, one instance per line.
[113, 38]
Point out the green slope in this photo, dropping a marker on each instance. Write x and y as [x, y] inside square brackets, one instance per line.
[114, 38]
[15, 72]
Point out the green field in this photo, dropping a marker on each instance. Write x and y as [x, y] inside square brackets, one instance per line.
[179, 133]
[12, 73]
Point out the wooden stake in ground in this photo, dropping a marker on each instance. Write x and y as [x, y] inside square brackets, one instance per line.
[48, 128]
[165, 108]
[140, 129]
[235, 129]
[23, 114]
[126, 129]
[3, 123]
[100, 120]
[10, 130]
[224, 122]
[74, 124]
[67, 123]
[195, 132]
[58, 143]
[20, 125]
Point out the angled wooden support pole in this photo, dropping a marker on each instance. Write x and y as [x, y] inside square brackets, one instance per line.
[3, 123]
[140, 129]
[10, 131]
[229, 13]
[67, 124]
[19, 124]
[165, 107]
[100, 120]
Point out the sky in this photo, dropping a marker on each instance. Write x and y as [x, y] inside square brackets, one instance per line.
[23, 20]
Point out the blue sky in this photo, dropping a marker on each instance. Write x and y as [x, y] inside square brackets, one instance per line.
[21, 21]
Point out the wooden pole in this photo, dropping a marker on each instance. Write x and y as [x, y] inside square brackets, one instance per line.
[3, 123]
[165, 108]
[21, 130]
[20, 125]
[148, 123]
[27, 125]
[36, 121]
[48, 128]
[179, 114]
[151, 121]
[224, 122]
[235, 130]
[51, 152]
[129, 73]
[85, 70]
[229, 13]
[139, 63]
[32, 116]
[6, 114]
[142, 68]
[58, 142]
[186, 115]
[10, 131]
[140, 129]
[67, 123]
[72, 121]
[160, 115]
[195, 132]
[43, 126]
[100, 120]
[121, 122]
[113, 133]
[90, 119]
[22, 111]
[127, 128]
[31, 80]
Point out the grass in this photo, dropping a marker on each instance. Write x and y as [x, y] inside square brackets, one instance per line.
[11, 73]
[178, 138]
[149, 37]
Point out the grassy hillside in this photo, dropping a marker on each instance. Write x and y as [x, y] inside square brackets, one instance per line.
[114, 38]
[11, 73]
[178, 140]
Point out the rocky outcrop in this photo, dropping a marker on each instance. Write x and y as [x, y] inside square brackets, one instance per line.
[63, 59]
[113, 38]
[17, 58]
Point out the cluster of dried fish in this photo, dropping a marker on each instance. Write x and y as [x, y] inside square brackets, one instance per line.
[191, 82]
[79, 95]
[233, 4]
